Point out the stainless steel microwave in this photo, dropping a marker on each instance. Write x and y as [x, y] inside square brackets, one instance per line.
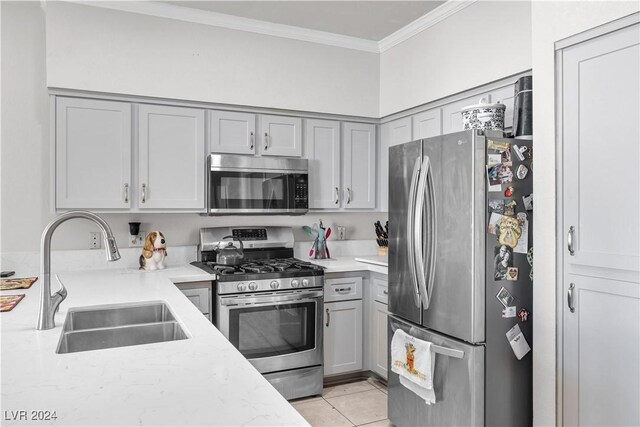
[246, 185]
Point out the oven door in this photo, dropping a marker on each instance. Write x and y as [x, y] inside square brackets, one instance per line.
[276, 331]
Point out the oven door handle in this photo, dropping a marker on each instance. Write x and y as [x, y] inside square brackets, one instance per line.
[269, 300]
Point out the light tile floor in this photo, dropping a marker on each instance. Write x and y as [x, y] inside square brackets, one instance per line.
[359, 403]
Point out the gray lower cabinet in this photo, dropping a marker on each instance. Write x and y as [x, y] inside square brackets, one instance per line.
[379, 339]
[199, 293]
[342, 337]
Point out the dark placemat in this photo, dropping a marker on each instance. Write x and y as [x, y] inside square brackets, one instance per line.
[10, 284]
[8, 302]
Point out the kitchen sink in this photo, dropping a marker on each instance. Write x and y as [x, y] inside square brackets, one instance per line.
[122, 325]
[117, 315]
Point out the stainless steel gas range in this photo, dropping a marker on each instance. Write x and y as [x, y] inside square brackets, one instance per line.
[269, 306]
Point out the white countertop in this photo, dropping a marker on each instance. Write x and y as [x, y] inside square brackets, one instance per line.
[202, 380]
[359, 263]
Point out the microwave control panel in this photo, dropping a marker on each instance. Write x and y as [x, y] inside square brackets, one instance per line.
[301, 192]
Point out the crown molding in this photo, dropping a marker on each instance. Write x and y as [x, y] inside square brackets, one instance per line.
[215, 19]
[438, 14]
[170, 11]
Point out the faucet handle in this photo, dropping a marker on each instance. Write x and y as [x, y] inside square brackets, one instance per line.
[59, 296]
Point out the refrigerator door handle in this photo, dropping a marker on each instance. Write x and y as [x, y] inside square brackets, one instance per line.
[410, 229]
[433, 234]
[418, 253]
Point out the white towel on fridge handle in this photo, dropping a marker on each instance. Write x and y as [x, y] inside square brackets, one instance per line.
[413, 361]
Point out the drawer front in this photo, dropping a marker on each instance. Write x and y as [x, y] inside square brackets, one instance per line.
[348, 288]
[381, 290]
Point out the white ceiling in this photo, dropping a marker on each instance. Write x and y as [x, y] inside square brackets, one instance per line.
[369, 20]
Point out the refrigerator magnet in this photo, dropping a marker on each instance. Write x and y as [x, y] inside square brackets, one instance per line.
[523, 315]
[505, 158]
[520, 152]
[509, 231]
[501, 262]
[523, 243]
[505, 298]
[509, 312]
[518, 342]
[496, 205]
[498, 145]
[522, 172]
[527, 201]
[508, 192]
[512, 273]
[530, 261]
[510, 208]
[522, 218]
[493, 159]
[494, 219]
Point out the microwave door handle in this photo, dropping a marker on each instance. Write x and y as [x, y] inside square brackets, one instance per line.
[410, 229]
[418, 215]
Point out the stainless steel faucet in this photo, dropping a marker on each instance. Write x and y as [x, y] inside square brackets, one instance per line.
[49, 303]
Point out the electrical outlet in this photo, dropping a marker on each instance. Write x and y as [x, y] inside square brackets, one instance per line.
[137, 240]
[342, 232]
[94, 240]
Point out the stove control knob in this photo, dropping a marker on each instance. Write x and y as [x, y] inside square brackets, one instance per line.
[305, 282]
[242, 287]
[274, 285]
[253, 286]
[295, 283]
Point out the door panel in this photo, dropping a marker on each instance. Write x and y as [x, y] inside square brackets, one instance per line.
[93, 154]
[359, 166]
[402, 293]
[171, 157]
[458, 384]
[427, 124]
[231, 132]
[392, 133]
[342, 337]
[457, 299]
[322, 138]
[280, 136]
[600, 100]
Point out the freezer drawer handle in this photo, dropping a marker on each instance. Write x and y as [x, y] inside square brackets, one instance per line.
[572, 307]
[446, 351]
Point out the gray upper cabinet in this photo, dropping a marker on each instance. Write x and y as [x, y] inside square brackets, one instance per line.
[322, 149]
[392, 133]
[280, 136]
[93, 154]
[170, 157]
[427, 124]
[232, 132]
[359, 165]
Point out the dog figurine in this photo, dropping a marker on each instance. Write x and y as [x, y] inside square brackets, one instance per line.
[153, 252]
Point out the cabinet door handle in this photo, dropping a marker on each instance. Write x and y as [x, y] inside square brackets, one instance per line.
[266, 141]
[570, 234]
[385, 292]
[343, 289]
[572, 308]
[252, 140]
[126, 193]
[337, 195]
[348, 195]
[328, 318]
[144, 193]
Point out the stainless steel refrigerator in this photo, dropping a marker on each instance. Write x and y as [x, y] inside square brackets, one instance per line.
[444, 276]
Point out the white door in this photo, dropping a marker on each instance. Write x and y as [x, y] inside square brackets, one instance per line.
[280, 136]
[232, 132]
[359, 165]
[601, 206]
[93, 154]
[427, 124]
[342, 337]
[391, 133]
[171, 164]
[379, 339]
[322, 149]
